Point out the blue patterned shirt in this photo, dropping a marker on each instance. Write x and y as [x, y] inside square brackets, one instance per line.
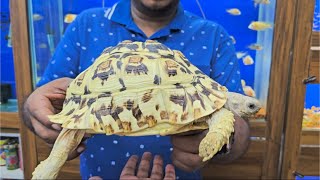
[206, 44]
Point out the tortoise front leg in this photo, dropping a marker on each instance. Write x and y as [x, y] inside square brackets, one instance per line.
[67, 141]
[221, 125]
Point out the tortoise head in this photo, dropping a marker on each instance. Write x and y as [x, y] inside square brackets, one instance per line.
[241, 105]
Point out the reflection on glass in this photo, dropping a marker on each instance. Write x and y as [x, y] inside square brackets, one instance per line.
[264, 56]
[7, 82]
[46, 29]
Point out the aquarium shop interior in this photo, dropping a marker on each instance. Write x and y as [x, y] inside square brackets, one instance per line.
[269, 49]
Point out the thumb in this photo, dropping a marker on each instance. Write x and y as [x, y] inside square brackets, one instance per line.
[63, 83]
[57, 86]
[75, 153]
[66, 80]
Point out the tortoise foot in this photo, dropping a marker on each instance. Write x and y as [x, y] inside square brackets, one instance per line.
[210, 145]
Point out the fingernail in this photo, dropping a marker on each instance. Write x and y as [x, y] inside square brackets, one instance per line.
[80, 149]
[87, 135]
[147, 153]
[56, 127]
[135, 156]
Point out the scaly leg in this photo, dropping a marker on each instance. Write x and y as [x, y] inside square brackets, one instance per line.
[220, 128]
[67, 141]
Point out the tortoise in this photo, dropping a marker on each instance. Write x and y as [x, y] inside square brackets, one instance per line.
[144, 88]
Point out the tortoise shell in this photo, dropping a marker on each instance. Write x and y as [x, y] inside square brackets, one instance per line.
[135, 86]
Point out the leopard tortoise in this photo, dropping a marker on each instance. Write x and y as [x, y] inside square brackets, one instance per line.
[144, 88]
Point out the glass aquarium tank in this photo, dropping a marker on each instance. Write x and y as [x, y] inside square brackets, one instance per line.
[8, 102]
[253, 45]
[250, 24]
[46, 29]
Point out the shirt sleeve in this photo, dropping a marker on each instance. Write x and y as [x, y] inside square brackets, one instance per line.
[224, 64]
[65, 60]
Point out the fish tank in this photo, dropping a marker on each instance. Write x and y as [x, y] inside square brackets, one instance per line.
[8, 98]
[248, 22]
[49, 19]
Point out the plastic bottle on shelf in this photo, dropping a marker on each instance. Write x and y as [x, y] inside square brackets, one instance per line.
[3, 141]
[12, 160]
[2, 156]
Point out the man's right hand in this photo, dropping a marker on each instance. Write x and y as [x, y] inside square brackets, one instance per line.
[47, 100]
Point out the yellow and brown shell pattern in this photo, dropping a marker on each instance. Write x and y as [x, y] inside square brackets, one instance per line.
[138, 85]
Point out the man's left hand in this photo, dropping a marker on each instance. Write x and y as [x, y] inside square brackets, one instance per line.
[185, 153]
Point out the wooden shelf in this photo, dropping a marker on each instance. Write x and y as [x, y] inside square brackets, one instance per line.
[309, 157]
[9, 120]
[309, 160]
[315, 38]
[10, 174]
[9, 117]
[257, 128]
[248, 166]
[310, 136]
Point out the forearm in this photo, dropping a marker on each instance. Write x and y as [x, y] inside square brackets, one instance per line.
[240, 144]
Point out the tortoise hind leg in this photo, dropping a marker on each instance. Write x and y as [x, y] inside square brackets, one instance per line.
[67, 141]
[221, 125]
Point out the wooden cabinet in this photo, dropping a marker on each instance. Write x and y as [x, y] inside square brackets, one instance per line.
[309, 156]
[275, 142]
[314, 65]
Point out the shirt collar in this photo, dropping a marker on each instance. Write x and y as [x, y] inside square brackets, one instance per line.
[179, 20]
[120, 13]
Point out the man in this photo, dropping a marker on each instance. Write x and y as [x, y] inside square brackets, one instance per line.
[204, 43]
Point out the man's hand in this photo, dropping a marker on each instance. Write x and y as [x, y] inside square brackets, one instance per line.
[186, 147]
[47, 100]
[131, 172]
